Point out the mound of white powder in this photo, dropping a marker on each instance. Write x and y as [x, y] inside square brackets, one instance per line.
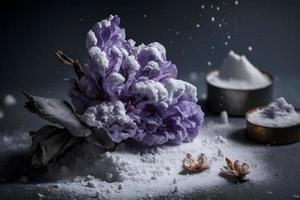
[276, 114]
[135, 172]
[237, 72]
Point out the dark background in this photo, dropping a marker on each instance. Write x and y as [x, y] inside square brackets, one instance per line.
[32, 31]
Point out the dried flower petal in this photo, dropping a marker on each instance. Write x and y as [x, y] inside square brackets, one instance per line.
[235, 169]
[191, 165]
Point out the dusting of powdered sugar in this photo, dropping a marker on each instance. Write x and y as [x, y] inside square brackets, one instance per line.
[134, 172]
[16, 140]
[153, 90]
[100, 57]
[277, 114]
[177, 88]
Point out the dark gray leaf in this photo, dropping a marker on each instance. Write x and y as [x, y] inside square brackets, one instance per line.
[48, 143]
[57, 111]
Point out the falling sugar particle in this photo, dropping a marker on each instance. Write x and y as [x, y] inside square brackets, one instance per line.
[212, 47]
[236, 2]
[177, 33]
[193, 76]
[202, 6]
[228, 37]
[226, 43]
[197, 25]
[145, 15]
[209, 63]
[220, 25]
[212, 19]
[218, 8]
[212, 6]
[9, 100]
[250, 48]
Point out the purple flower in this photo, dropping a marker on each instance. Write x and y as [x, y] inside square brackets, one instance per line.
[132, 91]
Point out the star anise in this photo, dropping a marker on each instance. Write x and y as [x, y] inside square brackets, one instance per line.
[235, 170]
[192, 165]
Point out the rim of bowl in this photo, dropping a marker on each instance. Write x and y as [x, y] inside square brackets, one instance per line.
[270, 76]
[269, 127]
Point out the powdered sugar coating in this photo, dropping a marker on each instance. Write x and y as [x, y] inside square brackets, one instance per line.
[132, 91]
[112, 117]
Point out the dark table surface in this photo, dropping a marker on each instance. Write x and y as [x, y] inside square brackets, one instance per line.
[281, 169]
[32, 31]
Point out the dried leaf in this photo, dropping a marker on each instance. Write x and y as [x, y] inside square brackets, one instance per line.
[59, 112]
[48, 143]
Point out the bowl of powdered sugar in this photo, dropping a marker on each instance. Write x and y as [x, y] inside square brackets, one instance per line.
[238, 86]
[277, 123]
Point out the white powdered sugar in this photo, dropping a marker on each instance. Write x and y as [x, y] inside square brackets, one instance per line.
[100, 58]
[153, 68]
[117, 51]
[104, 23]
[114, 79]
[177, 88]
[276, 114]
[155, 50]
[91, 39]
[160, 48]
[106, 114]
[131, 63]
[153, 90]
[237, 72]
[135, 172]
